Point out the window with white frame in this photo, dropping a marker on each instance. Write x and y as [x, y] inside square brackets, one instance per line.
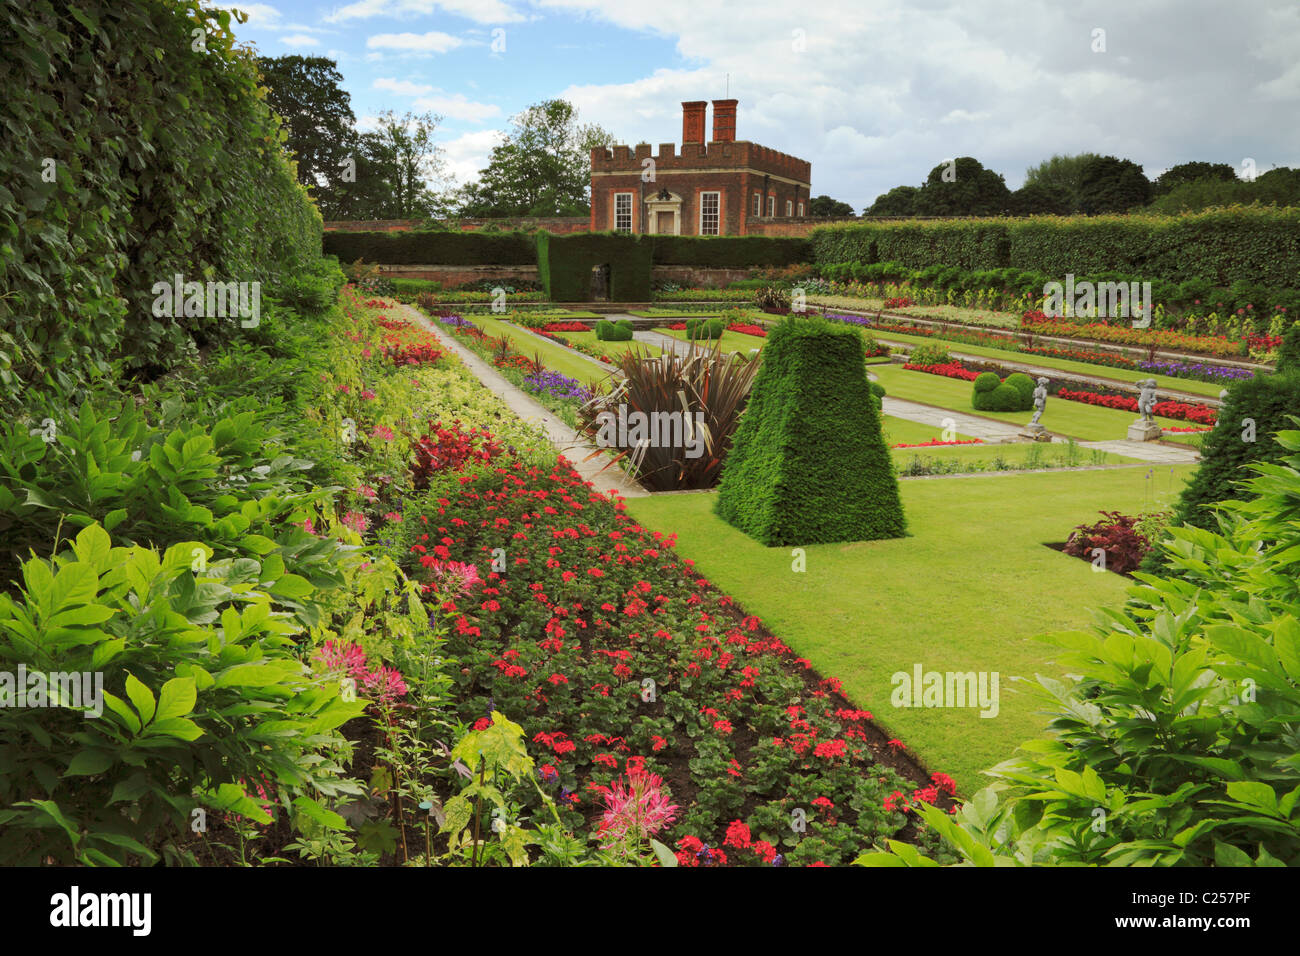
[758, 204]
[710, 205]
[789, 208]
[622, 212]
[771, 205]
[800, 209]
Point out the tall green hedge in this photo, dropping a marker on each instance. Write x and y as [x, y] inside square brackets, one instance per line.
[132, 152]
[1255, 409]
[734, 252]
[808, 464]
[1254, 244]
[565, 263]
[433, 248]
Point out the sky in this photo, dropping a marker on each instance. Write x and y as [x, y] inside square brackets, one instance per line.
[874, 93]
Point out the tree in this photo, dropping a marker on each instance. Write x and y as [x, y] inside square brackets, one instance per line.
[826, 206]
[1062, 172]
[1110, 184]
[1037, 199]
[963, 187]
[1192, 172]
[899, 201]
[401, 172]
[317, 114]
[542, 167]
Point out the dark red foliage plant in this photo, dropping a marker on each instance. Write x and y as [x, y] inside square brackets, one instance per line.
[1117, 535]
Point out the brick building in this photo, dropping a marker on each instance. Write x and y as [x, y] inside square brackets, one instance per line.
[725, 187]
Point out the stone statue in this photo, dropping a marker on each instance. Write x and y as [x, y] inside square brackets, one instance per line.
[1147, 398]
[1040, 401]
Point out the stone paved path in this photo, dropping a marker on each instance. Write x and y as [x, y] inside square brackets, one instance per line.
[565, 439]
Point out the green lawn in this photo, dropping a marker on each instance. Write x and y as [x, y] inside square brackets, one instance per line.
[968, 590]
[1072, 419]
[731, 341]
[905, 430]
[555, 357]
[1122, 375]
[613, 349]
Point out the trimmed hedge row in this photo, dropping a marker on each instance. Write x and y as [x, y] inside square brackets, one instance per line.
[132, 154]
[565, 263]
[520, 248]
[1250, 244]
[433, 248]
[730, 252]
[808, 463]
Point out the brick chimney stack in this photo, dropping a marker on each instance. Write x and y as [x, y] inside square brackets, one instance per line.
[693, 121]
[724, 121]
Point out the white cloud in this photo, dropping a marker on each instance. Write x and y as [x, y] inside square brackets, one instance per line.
[456, 106]
[480, 11]
[300, 40]
[260, 15]
[468, 153]
[402, 87]
[432, 42]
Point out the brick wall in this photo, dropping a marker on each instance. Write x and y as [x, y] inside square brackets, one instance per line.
[453, 276]
[556, 224]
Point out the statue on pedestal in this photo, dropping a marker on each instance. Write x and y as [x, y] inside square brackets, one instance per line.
[1040, 401]
[1147, 398]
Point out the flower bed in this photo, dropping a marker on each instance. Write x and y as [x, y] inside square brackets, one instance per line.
[1037, 322]
[1202, 414]
[564, 327]
[1183, 411]
[748, 328]
[947, 369]
[936, 443]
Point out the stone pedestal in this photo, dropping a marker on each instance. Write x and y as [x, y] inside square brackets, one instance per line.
[1035, 433]
[1143, 430]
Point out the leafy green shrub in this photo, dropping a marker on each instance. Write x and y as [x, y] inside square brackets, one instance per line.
[1254, 410]
[165, 161]
[809, 463]
[986, 382]
[876, 389]
[617, 331]
[1025, 385]
[204, 698]
[415, 286]
[929, 355]
[1288, 353]
[705, 328]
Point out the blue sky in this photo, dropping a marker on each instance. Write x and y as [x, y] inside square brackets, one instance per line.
[874, 93]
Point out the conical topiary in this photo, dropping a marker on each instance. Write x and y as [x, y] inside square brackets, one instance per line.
[809, 464]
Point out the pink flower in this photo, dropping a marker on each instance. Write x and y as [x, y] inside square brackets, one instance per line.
[455, 577]
[367, 492]
[356, 521]
[385, 684]
[367, 394]
[382, 431]
[635, 807]
[337, 657]
[309, 526]
[392, 516]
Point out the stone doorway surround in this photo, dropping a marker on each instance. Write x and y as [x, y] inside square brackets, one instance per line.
[664, 201]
